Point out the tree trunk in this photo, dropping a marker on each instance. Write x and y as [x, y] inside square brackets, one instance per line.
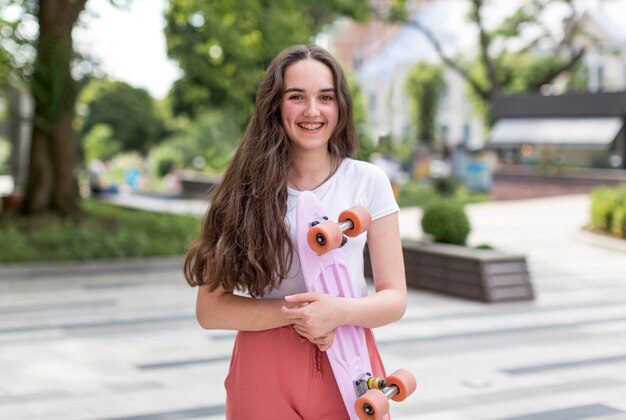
[52, 184]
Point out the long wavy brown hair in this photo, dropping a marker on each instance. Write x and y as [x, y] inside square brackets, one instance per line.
[244, 243]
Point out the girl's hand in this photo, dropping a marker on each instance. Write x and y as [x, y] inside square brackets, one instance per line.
[316, 316]
[322, 343]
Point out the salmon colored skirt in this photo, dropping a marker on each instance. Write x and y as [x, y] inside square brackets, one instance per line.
[277, 374]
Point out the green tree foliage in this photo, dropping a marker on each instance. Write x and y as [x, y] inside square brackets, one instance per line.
[425, 85]
[99, 143]
[130, 112]
[224, 46]
[16, 43]
[366, 144]
[508, 60]
[207, 144]
[5, 61]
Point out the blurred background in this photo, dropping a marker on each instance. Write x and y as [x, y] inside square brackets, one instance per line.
[500, 124]
[139, 97]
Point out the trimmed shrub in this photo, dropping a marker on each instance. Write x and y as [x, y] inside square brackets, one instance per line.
[446, 222]
[165, 166]
[618, 221]
[445, 186]
[603, 201]
[608, 209]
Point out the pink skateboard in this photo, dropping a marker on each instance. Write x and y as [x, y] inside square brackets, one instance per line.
[324, 269]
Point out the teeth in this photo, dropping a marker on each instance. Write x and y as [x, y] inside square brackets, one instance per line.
[310, 126]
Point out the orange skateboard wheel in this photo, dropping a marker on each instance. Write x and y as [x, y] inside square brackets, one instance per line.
[324, 237]
[404, 381]
[359, 216]
[372, 405]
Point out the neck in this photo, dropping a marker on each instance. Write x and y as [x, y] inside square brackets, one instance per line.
[309, 172]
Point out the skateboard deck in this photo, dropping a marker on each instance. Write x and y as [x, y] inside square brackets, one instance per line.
[328, 273]
[325, 271]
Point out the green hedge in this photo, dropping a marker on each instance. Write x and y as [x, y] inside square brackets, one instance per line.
[608, 210]
[419, 194]
[103, 231]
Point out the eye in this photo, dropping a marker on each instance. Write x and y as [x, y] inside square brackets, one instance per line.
[296, 97]
[327, 98]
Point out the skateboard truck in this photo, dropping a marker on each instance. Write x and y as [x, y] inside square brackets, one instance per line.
[367, 382]
[373, 394]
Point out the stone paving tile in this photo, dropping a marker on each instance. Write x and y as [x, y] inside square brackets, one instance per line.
[609, 360]
[590, 411]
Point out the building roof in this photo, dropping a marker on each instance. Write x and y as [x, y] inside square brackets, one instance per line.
[598, 104]
[589, 120]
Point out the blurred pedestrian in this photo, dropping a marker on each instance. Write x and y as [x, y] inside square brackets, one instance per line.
[96, 172]
[392, 169]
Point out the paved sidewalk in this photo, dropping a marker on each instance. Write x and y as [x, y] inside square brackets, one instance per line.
[119, 341]
[150, 203]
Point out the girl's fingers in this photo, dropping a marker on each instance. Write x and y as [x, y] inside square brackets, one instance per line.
[303, 297]
[292, 313]
[323, 342]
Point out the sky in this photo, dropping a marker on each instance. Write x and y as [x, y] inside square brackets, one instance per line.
[130, 44]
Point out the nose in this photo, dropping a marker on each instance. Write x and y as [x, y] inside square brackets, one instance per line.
[311, 109]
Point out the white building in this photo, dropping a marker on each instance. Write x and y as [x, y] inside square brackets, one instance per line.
[385, 55]
[605, 60]
[382, 74]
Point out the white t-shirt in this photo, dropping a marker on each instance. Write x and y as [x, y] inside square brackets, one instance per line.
[354, 183]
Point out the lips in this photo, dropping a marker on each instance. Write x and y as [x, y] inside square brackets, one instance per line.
[309, 126]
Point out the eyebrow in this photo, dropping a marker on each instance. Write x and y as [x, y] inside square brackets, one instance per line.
[325, 90]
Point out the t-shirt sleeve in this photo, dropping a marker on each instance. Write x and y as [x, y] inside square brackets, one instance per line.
[383, 202]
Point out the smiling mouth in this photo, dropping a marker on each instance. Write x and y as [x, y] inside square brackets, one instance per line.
[311, 126]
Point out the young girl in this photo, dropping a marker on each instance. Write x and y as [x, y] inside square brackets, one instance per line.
[300, 137]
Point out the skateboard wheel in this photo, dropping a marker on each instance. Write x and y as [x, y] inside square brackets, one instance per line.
[404, 381]
[324, 237]
[360, 217]
[372, 405]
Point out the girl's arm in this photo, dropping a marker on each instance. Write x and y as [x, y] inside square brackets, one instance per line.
[223, 310]
[324, 313]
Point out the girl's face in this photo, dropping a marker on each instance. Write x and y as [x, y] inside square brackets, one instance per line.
[309, 108]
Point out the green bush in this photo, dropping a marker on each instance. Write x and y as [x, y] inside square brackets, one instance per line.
[165, 166]
[164, 158]
[603, 200]
[446, 222]
[608, 209]
[618, 221]
[445, 186]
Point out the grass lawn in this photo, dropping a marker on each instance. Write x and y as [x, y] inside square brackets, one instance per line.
[417, 194]
[103, 231]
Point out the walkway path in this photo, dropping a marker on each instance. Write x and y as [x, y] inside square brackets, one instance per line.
[119, 340]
